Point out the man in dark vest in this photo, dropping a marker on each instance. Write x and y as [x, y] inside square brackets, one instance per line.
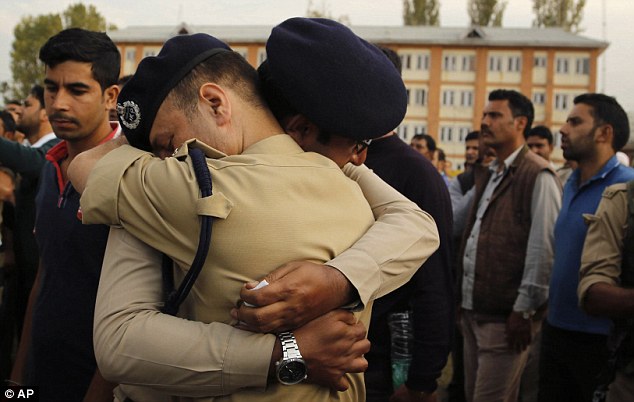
[506, 253]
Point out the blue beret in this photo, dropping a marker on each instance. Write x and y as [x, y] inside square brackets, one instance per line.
[343, 84]
[155, 77]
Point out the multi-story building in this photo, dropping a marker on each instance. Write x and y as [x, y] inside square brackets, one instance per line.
[448, 71]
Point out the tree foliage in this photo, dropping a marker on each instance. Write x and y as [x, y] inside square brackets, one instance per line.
[421, 12]
[323, 11]
[566, 14]
[32, 32]
[487, 12]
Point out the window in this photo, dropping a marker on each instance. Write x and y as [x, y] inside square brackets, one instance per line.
[466, 98]
[468, 63]
[561, 102]
[420, 97]
[261, 55]
[462, 134]
[495, 63]
[539, 98]
[583, 66]
[514, 64]
[148, 53]
[243, 53]
[420, 129]
[422, 62]
[130, 54]
[539, 62]
[407, 91]
[449, 63]
[447, 98]
[446, 134]
[562, 65]
[401, 131]
[406, 60]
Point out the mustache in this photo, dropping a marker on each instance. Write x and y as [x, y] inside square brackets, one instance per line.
[61, 116]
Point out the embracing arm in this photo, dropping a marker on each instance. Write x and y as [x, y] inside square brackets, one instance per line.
[136, 344]
[81, 166]
[400, 241]
[383, 259]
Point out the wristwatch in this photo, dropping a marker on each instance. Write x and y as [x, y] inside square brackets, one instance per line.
[291, 369]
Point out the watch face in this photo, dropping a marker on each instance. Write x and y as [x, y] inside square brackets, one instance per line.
[291, 372]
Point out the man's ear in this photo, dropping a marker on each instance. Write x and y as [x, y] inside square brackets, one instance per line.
[604, 134]
[110, 96]
[301, 129]
[522, 121]
[216, 101]
[43, 116]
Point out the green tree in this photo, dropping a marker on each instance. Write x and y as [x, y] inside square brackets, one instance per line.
[486, 12]
[30, 34]
[33, 31]
[78, 16]
[566, 14]
[323, 11]
[421, 12]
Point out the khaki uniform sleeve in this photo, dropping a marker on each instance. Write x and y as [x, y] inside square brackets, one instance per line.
[399, 242]
[145, 195]
[135, 344]
[603, 247]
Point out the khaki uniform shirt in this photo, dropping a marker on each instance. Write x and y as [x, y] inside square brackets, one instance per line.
[603, 247]
[300, 214]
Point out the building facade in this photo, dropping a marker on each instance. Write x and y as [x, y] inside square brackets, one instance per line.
[448, 72]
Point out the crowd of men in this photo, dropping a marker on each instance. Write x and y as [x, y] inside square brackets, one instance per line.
[224, 240]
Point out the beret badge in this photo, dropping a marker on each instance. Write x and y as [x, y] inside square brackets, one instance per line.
[129, 114]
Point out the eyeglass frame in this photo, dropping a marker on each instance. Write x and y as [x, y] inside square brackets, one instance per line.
[361, 146]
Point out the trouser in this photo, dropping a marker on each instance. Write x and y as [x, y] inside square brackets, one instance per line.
[570, 364]
[529, 384]
[492, 369]
[455, 390]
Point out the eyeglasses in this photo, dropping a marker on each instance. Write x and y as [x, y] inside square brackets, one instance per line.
[361, 146]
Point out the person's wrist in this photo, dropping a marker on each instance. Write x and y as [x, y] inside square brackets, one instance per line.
[276, 355]
[526, 315]
[344, 291]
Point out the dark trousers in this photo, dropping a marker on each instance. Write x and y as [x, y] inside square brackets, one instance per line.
[570, 364]
[455, 390]
[378, 384]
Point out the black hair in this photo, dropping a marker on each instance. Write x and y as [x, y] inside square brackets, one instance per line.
[429, 140]
[541, 132]
[519, 104]
[13, 102]
[80, 45]
[441, 155]
[38, 93]
[474, 135]
[227, 68]
[7, 121]
[605, 109]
